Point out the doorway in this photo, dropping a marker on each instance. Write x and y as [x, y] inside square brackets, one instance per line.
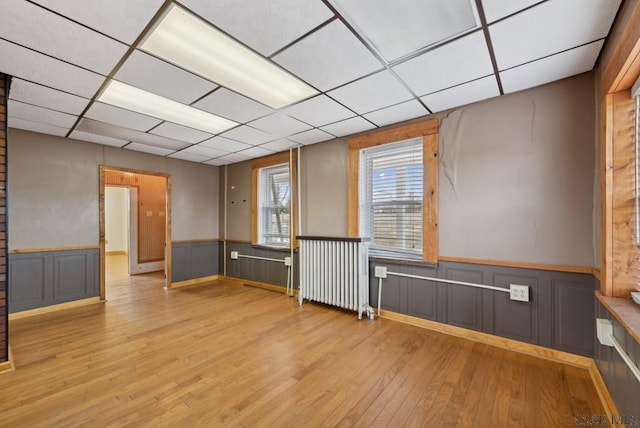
[135, 224]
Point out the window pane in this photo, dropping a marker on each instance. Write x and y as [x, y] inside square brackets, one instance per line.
[392, 185]
[275, 200]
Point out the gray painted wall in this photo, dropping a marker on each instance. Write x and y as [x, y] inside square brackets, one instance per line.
[53, 277]
[620, 381]
[53, 187]
[516, 179]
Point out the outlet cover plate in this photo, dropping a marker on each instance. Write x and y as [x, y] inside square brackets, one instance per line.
[519, 292]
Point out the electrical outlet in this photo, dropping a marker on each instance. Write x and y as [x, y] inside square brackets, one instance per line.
[234, 255]
[519, 292]
[381, 272]
[287, 261]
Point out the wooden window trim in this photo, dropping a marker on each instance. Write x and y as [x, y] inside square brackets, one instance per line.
[428, 130]
[267, 161]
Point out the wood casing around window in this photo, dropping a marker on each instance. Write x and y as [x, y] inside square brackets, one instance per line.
[428, 130]
[256, 164]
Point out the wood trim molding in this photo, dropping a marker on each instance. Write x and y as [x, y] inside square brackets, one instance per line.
[55, 308]
[51, 249]
[489, 339]
[7, 366]
[271, 287]
[353, 192]
[116, 253]
[195, 241]
[430, 198]
[191, 282]
[622, 52]
[524, 265]
[624, 311]
[236, 241]
[596, 273]
[400, 133]
[608, 404]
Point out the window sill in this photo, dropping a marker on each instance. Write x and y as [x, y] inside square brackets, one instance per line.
[397, 261]
[625, 311]
[268, 247]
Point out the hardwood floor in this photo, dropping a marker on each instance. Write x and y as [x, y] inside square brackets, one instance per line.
[231, 355]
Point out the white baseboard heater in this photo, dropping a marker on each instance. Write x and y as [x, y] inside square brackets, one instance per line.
[335, 271]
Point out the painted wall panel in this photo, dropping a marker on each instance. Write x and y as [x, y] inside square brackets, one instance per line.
[191, 260]
[52, 277]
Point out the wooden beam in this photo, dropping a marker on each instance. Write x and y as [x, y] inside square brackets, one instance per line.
[430, 199]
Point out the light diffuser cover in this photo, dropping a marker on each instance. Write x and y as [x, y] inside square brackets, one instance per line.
[189, 42]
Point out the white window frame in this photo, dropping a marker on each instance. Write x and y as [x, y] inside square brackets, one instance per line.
[266, 235]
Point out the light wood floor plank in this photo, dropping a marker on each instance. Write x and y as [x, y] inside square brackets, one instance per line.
[230, 355]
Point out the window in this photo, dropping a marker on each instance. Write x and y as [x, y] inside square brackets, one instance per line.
[391, 187]
[274, 200]
[273, 204]
[393, 191]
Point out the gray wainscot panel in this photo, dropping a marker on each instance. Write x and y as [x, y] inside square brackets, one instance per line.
[266, 271]
[49, 278]
[621, 383]
[191, 260]
[558, 314]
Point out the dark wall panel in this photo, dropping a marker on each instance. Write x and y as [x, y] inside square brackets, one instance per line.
[554, 317]
[191, 260]
[621, 383]
[53, 277]
[265, 271]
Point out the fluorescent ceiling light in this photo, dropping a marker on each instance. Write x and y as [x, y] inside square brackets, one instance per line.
[129, 97]
[398, 29]
[190, 42]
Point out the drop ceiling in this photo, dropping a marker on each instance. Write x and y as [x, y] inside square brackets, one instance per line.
[370, 64]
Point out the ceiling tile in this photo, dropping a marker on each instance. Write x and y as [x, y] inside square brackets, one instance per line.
[256, 152]
[149, 149]
[121, 117]
[42, 128]
[457, 62]
[319, 111]
[179, 132]
[218, 162]
[394, 114]
[159, 77]
[99, 139]
[121, 19]
[232, 158]
[416, 24]
[274, 23]
[32, 26]
[226, 103]
[279, 125]
[496, 9]
[113, 131]
[279, 145]
[192, 157]
[372, 93]
[329, 57]
[39, 95]
[348, 127]
[311, 136]
[467, 93]
[549, 28]
[549, 69]
[39, 114]
[205, 151]
[30, 65]
[224, 144]
[249, 135]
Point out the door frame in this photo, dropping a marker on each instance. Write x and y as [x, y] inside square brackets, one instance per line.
[101, 223]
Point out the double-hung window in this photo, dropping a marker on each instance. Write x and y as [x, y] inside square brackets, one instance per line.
[274, 200]
[393, 191]
[391, 188]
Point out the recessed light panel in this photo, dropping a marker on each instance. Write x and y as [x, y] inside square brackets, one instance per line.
[122, 95]
[398, 29]
[190, 42]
